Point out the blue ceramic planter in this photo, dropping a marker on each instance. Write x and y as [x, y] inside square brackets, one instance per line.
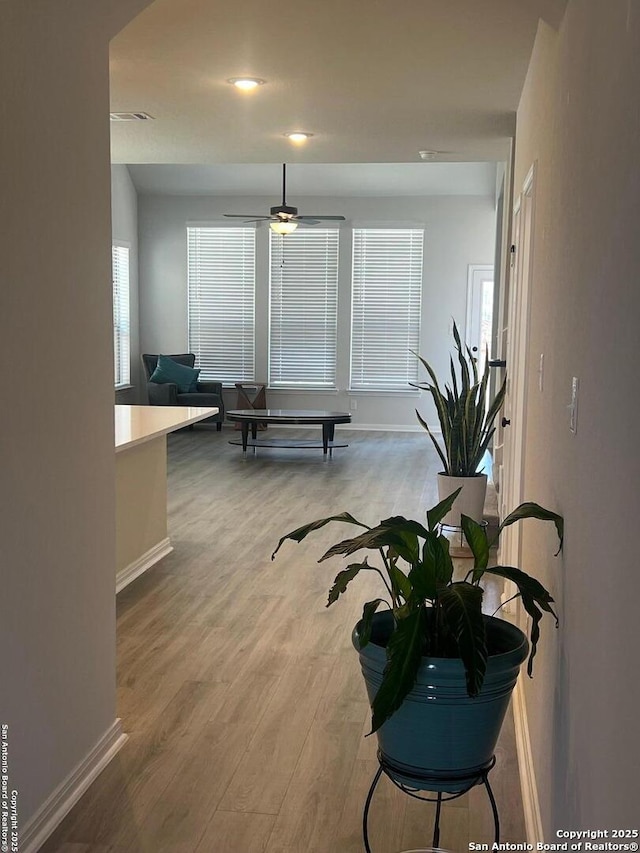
[439, 731]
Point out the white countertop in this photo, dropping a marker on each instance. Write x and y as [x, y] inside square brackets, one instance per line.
[137, 424]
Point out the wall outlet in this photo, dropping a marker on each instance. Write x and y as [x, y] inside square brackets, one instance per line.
[353, 405]
[573, 406]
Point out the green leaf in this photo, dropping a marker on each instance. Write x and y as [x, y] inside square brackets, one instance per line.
[423, 579]
[300, 532]
[404, 652]
[398, 533]
[462, 607]
[534, 510]
[526, 584]
[375, 538]
[364, 631]
[436, 558]
[344, 578]
[534, 596]
[443, 458]
[399, 581]
[476, 536]
[438, 512]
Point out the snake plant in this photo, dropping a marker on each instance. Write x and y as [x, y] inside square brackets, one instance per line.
[465, 415]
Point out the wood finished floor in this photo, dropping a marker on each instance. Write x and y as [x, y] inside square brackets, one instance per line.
[240, 691]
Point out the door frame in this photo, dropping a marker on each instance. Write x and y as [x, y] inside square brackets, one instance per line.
[519, 311]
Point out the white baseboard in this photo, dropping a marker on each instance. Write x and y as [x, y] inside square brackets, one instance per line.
[139, 566]
[530, 801]
[67, 794]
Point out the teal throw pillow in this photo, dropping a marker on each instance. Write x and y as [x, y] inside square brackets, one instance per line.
[168, 370]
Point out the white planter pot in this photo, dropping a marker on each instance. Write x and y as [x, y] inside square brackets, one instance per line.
[469, 502]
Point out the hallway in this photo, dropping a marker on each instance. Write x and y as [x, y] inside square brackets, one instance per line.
[240, 692]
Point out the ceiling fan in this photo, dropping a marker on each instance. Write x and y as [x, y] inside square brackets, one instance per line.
[283, 218]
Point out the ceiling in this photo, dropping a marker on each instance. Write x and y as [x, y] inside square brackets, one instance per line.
[315, 179]
[375, 81]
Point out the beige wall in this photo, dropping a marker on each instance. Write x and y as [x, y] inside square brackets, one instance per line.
[579, 119]
[57, 628]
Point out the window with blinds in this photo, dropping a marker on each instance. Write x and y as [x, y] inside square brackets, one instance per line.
[385, 307]
[221, 294]
[303, 308]
[121, 324]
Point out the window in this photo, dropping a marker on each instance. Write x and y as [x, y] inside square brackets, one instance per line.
[222, 272]
[385, 307]
[121, 326]
[303, 309]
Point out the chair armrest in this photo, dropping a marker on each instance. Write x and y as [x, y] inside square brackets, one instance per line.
[162, 395]
[209, 387]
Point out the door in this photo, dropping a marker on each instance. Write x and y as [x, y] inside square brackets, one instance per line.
[479, 312]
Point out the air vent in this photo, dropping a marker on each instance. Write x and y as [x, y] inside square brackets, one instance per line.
[130, 117]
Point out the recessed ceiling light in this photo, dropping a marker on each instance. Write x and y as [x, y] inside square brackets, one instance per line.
[429, 154]
[298, 136]
[247, 84]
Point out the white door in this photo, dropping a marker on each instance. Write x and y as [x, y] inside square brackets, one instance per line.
[479, 326]
[517, 334]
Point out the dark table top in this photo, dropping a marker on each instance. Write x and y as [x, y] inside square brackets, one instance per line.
[295, 416]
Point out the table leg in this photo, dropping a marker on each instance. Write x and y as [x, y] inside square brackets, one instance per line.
[245, 436]
[326, 429]
[332, 432]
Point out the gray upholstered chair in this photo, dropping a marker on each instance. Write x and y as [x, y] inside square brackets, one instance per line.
[167, 394]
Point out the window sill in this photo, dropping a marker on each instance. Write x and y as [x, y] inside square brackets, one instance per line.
[382, 392]
[279, 389]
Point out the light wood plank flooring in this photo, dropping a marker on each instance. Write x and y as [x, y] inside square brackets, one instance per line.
[240, 691]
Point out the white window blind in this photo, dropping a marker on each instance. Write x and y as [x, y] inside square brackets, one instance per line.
[121, 325]
[303, 315]
[222, 273]
[385, 307]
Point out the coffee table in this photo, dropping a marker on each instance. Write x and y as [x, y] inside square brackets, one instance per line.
[252, 417]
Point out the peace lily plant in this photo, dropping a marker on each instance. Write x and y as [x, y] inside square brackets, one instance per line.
[433, 615]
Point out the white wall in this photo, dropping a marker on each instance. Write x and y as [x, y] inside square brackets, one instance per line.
[124, 228]
[579, 120]
[57, 516]
[458, 231]
[58, 553]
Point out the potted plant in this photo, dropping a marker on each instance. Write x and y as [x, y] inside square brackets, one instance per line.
[466, 421]
[439, 673]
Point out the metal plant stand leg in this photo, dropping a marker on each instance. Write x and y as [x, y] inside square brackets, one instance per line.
[436, 824]
[494, 807]
[365, 816]
[479, 778]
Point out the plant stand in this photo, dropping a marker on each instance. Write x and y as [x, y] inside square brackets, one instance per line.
[423, 783]
[458, 545]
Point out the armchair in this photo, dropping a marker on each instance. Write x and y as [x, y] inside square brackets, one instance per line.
[208, 393]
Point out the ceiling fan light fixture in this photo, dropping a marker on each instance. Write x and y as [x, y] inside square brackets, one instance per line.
[246, 84]
[299, 137]
[283, 226]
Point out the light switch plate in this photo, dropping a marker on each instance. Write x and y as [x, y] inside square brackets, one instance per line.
[573, 406]
[541, 372]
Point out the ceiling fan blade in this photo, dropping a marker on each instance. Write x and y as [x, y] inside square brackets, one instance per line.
[254, 216]
[327, 218]
[306, 220]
